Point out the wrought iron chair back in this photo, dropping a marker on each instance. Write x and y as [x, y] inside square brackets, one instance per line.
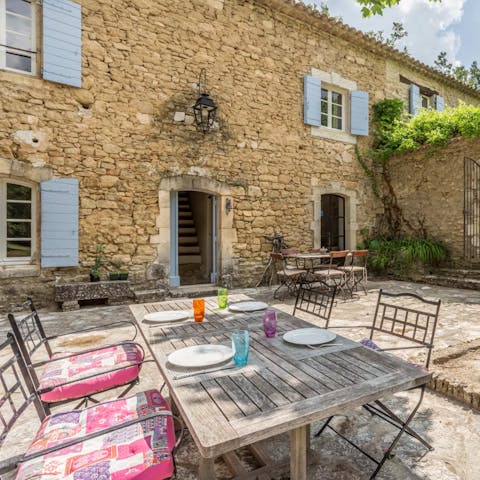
[338, 258]
[316, 299]
[29, 333]
[395, 317]
[16, 389]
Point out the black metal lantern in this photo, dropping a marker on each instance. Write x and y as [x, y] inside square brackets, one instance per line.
[204, 108]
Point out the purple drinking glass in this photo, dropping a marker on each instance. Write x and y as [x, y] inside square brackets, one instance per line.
[270, 323]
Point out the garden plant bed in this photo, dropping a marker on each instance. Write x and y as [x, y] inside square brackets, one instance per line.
[456, 372]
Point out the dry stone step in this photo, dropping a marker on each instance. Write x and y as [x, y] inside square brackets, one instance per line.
[185, 259]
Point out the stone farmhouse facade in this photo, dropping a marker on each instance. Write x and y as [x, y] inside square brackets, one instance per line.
[98, 143]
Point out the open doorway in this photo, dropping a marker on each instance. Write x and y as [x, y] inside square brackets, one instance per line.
[197, 237]
[333, 222]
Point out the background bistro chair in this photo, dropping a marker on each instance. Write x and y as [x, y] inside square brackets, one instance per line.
[413, 320]
[135, 436]
[332, 274]
[290, 278]
[68, 376]
[316, 299]
[355, 269]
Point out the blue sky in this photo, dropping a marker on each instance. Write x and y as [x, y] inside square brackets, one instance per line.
[450, 26]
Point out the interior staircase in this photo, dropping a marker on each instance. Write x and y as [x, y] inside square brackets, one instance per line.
[188, 247]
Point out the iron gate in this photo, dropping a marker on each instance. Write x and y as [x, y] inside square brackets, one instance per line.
[471, 210]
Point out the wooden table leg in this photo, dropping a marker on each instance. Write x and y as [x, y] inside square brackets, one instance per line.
[298, 453]
[206, 470]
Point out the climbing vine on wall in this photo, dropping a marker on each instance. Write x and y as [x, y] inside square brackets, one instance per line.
[395, 133]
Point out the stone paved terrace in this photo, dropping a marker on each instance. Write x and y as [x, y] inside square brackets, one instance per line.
[452, 427]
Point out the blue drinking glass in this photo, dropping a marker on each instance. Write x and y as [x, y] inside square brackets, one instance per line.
[240, 346]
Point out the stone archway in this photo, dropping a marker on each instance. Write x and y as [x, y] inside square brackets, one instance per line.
[227, 236]
[350, 197]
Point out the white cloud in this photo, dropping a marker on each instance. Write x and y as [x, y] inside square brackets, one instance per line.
[428, 24]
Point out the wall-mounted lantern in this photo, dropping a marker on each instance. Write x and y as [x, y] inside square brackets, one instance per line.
[204, 108]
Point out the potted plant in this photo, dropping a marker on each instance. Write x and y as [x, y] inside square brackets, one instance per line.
[113, 276]
[94, 271]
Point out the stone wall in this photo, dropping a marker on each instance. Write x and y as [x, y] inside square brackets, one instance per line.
[429, 185]
[130, 127]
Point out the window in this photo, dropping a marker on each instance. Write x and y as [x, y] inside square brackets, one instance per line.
[17, 218]
[426, 101]
[332, 115]
[17, 36]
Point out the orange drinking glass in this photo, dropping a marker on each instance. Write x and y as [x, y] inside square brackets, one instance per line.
[199, 309]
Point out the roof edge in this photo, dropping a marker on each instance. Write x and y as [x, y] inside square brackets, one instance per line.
[298, 10]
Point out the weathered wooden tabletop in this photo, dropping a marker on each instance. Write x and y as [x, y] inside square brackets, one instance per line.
[283, 388]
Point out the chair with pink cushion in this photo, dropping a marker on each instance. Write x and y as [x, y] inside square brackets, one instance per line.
[78, 375]
[124, 439]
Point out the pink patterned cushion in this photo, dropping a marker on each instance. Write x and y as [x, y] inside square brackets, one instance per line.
[82, 365]
[142, 451]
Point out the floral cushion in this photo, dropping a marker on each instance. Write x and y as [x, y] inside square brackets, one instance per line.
[61, 370]
[142, 451]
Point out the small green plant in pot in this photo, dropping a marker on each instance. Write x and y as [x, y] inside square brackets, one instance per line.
[95, 270]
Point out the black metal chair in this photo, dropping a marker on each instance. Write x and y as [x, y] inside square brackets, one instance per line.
[316, 299]
[87, 431]
[290, 278]
[71, 381]
[414, 320]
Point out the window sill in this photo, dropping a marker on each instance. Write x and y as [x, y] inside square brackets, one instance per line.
[19, 271]
[333, 135]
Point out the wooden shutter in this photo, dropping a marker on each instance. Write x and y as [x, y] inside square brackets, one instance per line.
[439, 103]
[62, 42]
[415, 99]
[312, 96]
[358, 112]
[59, 223]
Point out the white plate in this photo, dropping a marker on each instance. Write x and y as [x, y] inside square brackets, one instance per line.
[309, 336]
[167, 316]
[200, 356]
[248, 306]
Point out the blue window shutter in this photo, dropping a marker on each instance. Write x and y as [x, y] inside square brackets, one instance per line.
[358, 112]
[415, 99]
[312, 96]
[439, 103]
[59, 225]
[62, 42]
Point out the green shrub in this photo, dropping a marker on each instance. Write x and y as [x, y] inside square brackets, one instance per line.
[405, 255]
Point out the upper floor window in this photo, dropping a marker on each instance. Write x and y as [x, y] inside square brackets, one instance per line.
[17, 219]
[332, 109]
[17, 36]
[427, 101]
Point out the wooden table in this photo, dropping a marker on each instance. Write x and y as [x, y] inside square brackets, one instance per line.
[283, 388]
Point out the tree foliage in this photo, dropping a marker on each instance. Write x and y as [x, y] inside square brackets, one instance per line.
[469, 76]
[376, 7]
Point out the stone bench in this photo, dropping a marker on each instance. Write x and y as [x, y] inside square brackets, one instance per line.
[69, 294]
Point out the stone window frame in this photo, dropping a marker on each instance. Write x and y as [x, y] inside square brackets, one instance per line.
[332, 80]
[4, 260]
[32, 53]
[351, 202]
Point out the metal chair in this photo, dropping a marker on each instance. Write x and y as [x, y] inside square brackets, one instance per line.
[290, 278]
[316, 299]
[414, 320]
[69, 376]
[332, 274]
[77, 436]
[356, 270]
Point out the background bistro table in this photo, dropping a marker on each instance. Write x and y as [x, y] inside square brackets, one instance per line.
[283, 388]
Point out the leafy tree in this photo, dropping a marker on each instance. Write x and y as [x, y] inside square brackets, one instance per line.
[469, 76]
[376, 7]
[398, 32]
